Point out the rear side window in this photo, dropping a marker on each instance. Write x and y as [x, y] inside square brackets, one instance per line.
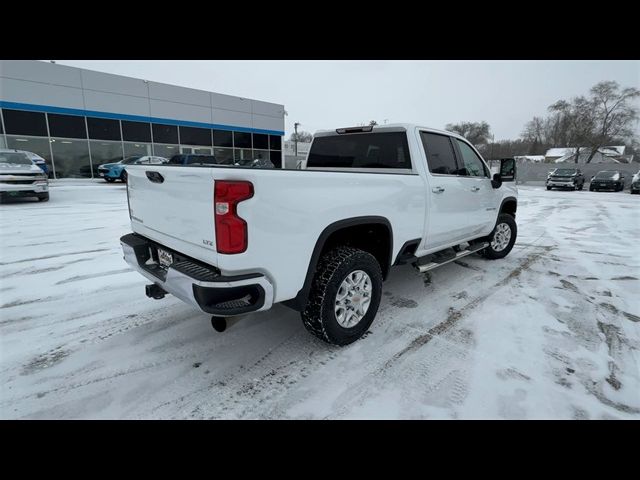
[368, 150]
[440, 156]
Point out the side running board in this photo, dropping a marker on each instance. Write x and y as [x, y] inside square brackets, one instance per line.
[429, 262]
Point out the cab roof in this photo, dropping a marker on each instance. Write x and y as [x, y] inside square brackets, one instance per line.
[388, 127]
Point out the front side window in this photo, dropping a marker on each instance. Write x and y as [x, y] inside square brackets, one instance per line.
[361, 150]
[472, 166]
[440, 156]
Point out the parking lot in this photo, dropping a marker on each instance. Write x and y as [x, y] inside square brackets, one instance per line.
[551, 331]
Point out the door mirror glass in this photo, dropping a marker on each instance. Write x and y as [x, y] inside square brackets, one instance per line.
[508, 169]
[496, 182]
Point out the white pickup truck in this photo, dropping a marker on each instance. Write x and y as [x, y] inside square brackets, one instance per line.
[320, 239]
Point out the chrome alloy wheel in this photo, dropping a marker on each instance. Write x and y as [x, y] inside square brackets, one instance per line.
[353, 298]
[501, 237]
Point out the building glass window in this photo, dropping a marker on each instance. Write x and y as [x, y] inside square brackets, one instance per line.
[68, 126]
[241, 140]
[71, 158]
[276, 158]
[105, 152]
[242, 154]
[164, 133]
[19, 122]
[261, 154]
[260, 141]
[223, 155]
[223, 138]
[103, 129]
[195, 136]
[166, 151]
[37, 145]
[136, 148]
[136, 131]
[275, 142]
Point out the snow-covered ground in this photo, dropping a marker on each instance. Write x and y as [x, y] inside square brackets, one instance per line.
[552, 331]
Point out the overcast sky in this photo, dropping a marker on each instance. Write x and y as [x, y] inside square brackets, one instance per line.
[331, 94]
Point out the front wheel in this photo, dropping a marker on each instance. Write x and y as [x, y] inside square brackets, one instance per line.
[123, 176]
[43, 197]
[345, 296]
[502, 238]
[109, 179]
[548, 188]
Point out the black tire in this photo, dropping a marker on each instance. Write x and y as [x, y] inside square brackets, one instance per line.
[43, 198]
[110, 180]
[123, 176]
[548, 188]
[319, 315]
[492, 254]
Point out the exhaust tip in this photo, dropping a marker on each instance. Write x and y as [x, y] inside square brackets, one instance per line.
[219, 324]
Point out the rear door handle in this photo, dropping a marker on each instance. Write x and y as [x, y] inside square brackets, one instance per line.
[437, 189]
[475, 189]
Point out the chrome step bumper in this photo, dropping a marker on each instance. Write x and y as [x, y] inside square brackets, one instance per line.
[202, 287]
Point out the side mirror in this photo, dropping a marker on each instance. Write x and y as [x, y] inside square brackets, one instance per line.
[507, 170]
[496, 182]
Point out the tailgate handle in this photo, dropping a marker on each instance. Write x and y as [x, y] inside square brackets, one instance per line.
[155, 177]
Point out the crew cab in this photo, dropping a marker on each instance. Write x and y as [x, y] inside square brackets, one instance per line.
[321, 239]
[20, 177]
[571, 178]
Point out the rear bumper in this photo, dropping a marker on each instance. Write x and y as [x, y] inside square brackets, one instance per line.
[197, 284]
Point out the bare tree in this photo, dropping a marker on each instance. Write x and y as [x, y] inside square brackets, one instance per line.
[615, 114]
[303, 137]
[373, 122]
[477, 133]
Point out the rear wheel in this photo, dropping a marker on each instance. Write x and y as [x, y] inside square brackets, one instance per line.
[502, 238]
[110, 180]
[345, 295]
[123, 176]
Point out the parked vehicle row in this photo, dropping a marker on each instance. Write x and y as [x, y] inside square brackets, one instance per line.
[116, 170]
[573, 179]
[20, 176]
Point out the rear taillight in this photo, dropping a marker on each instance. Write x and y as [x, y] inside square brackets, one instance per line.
[231, 230]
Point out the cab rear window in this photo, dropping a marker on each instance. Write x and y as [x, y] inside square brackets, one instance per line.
[360, 150]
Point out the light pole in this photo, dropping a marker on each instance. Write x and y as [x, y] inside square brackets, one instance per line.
[295, 127]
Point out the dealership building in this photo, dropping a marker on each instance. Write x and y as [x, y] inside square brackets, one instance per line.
[78, 119]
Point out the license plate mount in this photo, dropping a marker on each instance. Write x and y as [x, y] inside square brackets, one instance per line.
[164, 258]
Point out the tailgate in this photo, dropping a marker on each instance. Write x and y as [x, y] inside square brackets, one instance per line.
[173, 205]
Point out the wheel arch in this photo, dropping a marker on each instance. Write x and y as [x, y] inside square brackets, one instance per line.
[509, 205]
[333, 235]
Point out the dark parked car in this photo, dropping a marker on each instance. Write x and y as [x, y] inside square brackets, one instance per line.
[607, 180]
[566, 178]
[635, 183]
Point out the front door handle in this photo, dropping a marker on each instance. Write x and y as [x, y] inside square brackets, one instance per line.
[475, 189]
[437, 189]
